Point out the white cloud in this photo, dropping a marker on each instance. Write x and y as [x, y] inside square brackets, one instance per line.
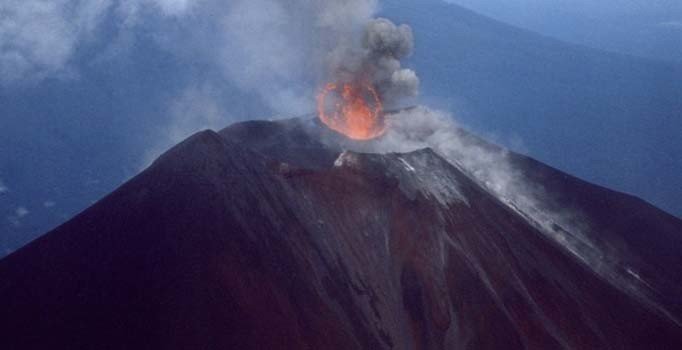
[275, 48]
[280, 48]
[19, 213]
[175, 7]
[421, 127]
[671, 24]
[49, 204]
[260, 45]
[38, 38]
[196, 108]
[3, 187]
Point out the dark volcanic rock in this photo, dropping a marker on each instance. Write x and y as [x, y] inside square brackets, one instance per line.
[269, 235]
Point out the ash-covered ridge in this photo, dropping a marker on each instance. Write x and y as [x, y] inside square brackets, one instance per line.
[418, 172]
[287, 235]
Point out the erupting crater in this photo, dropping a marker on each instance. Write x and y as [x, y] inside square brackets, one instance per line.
[353, 109]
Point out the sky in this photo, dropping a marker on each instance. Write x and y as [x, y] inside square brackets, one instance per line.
[92, 91]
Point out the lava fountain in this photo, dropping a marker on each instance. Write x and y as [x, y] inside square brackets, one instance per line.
[353, 109]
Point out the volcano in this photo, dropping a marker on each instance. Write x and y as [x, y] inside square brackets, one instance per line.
[287, 235]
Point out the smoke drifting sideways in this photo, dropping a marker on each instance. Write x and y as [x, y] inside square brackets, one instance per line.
[286, 51]
[377, 61]
[278, 53]
[494, 170]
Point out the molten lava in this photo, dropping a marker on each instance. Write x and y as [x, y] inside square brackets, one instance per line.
[353, 109]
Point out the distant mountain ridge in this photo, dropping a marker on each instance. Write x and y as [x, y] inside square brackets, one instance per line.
[641, 28]
[609, 118]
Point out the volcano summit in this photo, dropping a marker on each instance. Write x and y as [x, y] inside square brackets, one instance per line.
[287, 235]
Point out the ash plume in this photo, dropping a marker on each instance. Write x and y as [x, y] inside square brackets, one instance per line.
[281, 50]
[377, 60]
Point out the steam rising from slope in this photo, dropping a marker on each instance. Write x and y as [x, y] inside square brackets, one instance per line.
[493, 169]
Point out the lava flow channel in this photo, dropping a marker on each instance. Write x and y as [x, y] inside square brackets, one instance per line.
[352, 109]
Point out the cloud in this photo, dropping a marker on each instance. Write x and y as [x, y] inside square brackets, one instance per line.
[38, 38]
[279, 49]
[282, 49]
[196, 108]
[175, 7]
[49, 204]
[3, 188]
[260, 50]
[671, 24]
[19, 213]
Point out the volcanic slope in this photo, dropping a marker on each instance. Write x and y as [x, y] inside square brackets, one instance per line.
[275, 235]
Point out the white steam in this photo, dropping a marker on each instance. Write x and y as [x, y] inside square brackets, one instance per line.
[282, 49]
[19, 214]
[40, 39]
[196, 108]
[492, 168]
[279, 49]
[276, 52]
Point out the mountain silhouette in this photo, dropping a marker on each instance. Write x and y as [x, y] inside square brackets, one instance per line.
[285, 235]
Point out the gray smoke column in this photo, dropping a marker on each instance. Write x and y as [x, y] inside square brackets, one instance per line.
[377, 60]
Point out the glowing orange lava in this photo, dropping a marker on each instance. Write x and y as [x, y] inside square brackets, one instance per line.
[352, 109]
